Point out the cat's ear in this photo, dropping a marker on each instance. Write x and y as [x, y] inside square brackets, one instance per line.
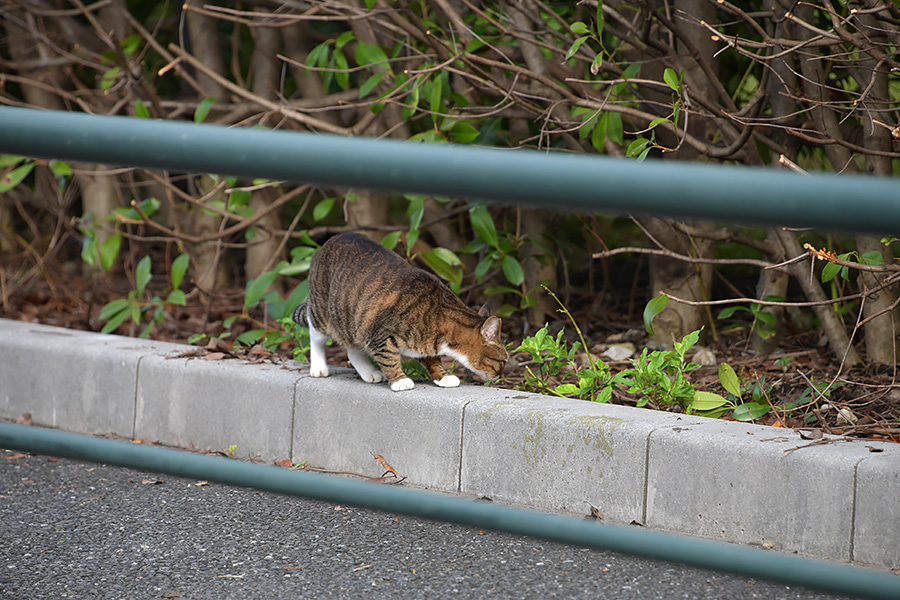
[490, 330]
[484, 312]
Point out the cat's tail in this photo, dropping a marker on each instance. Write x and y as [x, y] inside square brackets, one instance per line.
[299, 316]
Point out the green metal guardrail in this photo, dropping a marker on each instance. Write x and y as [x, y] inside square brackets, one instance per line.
[743, 560]
[552, 180]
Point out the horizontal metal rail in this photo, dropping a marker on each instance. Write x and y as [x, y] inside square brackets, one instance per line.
[554, 180]
[742, 560]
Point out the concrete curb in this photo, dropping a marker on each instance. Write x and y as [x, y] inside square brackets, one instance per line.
[721, 480]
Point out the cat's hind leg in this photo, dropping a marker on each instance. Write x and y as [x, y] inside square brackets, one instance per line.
[438, 374]
[365, 368]
[318, 367]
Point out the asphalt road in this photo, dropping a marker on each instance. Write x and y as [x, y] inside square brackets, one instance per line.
[78, 530]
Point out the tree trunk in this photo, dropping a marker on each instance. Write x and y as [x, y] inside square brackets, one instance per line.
[771, 282]
[679, 278]
[261, 252]
[838, 340]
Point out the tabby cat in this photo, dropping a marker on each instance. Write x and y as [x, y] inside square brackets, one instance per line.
[375, 304]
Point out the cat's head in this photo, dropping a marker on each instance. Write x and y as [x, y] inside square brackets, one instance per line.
[490, 358]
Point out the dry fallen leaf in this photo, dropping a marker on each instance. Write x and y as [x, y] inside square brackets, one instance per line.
[201, 483]
[24, 419]
[812, 434]
[16, 456]
[595, 513]
[151, 481]
[284, 462]
[385, 464]
[215, 356]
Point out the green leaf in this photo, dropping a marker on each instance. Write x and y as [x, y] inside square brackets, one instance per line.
[670, 78]
[575, 46]
[464, 133]
[829, 271]
[512, 270]
[109, 78]
[729, 380]
[501, 289]
[390, 240]
[89, 249]
[256, 288]
[366, 88]
[15, 177]
[341, 76]
[435, 94]
[483, 224]
[344, 39]
[727, 313]
[567, 388]
[8, 160]
[367, 54]
[415, 210]
[657, 121]
[318, 56]
[872, 257]
[323, 208]
[179, 268]
[579, 28]
[614, 128]
[637, 146]
[750, 411]
[109, 250]
[142, 274]
[114, 307]
[707, 401]
[141, 110]
[116, 318]
[445, 264]
[60, 169]
[597, 63]
[483, 267]
[598, 136]
[653, 308]
[131, 44]
[176, 297]
[249, 338]
[202, 110]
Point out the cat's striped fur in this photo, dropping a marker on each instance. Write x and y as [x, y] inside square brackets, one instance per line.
[375, 304]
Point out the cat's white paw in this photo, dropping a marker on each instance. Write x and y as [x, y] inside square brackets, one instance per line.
[372, 377]
[402, 385]
[318, 370]
[447, 381]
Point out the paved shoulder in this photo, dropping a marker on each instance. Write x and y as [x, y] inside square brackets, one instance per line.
[78, 530]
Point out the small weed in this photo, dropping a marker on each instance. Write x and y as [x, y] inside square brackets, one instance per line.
[658, 376]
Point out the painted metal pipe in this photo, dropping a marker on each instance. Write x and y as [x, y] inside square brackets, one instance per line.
[554, 180]
[752, 562]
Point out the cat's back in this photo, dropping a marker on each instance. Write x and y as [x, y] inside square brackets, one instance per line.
[354, 267]
[356, 253]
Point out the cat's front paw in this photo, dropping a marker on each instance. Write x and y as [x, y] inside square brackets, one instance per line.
[318, 370]
[402, 385]
[447, 381]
